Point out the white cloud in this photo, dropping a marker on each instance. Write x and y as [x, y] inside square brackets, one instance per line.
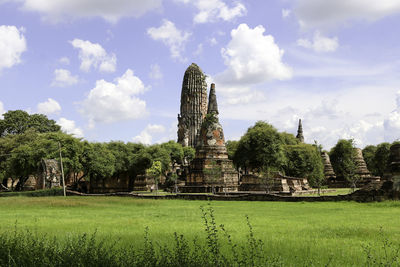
[12, 45]
[171, 36]
[94, 55]
[111, 11]
[213, 41]
[63, 77]
[286, 13]
[199, 50]
[155, 72]
[110, 102]
[146, 136]
[2, 110]
[69, 127]
[322, 13]
[213, 10]
[64, 60]
[392, 122]
[252, 57]
[320, 43]
[49, 107]
[363, 113]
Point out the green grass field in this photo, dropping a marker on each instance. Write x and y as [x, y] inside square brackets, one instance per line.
[302, 234]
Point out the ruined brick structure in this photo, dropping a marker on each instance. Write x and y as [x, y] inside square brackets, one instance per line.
[328, 169]
[51, 176]
[277, 183]
[362, 169]
[211, 153]
[365, 176]
[193, 106]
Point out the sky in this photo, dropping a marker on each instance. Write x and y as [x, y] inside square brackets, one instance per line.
[112, 70]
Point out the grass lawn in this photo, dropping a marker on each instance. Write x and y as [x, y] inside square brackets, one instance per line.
[303, 234]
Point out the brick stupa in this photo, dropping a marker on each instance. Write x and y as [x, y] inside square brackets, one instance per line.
[211, 153]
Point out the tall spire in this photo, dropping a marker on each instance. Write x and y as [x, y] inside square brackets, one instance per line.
[212, 101]
[193, 105]
[300, 136]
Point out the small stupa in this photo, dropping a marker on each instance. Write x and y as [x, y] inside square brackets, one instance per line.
[362, 169]
[211, 153]
[328, 169]
[300, 136]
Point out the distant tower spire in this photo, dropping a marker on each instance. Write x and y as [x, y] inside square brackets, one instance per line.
[300, 136]
[212, 101]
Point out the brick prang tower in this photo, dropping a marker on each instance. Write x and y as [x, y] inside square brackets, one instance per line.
[193, 106]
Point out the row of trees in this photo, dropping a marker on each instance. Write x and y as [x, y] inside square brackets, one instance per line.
[264, 150]
[25, 140]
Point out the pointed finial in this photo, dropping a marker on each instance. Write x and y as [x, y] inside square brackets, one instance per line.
[300, 136]
[212, 101]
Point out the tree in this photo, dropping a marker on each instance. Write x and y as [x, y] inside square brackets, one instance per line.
[231, 147]
[289, 139]
[213, 174]
[19, 121]
[175, 152]
[260, 149]
[140, 160]
[305, 160]
[155, 172]
[159, 153]
[381, 159]
[188, 154]
[342, 157]
[369, 154]
[99, 161]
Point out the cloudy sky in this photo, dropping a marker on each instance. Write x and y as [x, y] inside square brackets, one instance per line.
[112, 70]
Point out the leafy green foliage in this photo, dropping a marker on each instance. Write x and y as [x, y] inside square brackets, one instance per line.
[99, 162]
[19, 121]
[289, 139]
[175, 152]
[381, 159]
[304, 161]
[377, 158]
[188, 154]
[369, 154]
[260, 148]
[342, 157]
[231, 147]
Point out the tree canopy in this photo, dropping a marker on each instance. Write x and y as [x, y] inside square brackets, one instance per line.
[19, 121]
[342, 157]
[261, 148]
[304, 160]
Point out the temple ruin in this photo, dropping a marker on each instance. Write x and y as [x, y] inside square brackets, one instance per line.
[51, 175]
[193, 105]
[211, 168]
